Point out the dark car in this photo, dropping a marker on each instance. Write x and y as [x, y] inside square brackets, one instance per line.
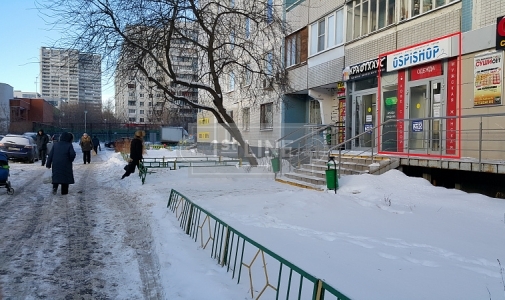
[19, 147]
[109, 144]
[56, 137]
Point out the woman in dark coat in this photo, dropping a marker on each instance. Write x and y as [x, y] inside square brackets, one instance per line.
[136, 149]
[60, 158]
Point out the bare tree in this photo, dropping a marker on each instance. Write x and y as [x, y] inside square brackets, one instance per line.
[239, 37]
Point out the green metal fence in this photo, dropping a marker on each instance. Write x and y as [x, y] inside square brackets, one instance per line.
[269, 275]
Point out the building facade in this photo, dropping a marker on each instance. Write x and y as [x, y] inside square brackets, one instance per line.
[138, 102]
[6, 93]
[67, 75]
[359, 63]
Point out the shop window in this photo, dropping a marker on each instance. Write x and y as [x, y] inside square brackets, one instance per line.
[365, 84]
[266, 116]
[327, 33]
[314, 112]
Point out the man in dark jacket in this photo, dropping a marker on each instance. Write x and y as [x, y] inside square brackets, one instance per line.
[136, 149]
[96, 144]
[60, 158]
[41, 140]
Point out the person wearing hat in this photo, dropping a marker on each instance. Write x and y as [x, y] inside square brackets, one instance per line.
[136, 149]
[86, 147]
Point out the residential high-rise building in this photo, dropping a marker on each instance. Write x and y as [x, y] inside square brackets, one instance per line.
[140, 102]
[67, 75]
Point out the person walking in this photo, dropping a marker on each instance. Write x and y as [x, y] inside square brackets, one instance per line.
[86, 146]
[96, 144]
[41, 140]
[60, 159]
[136, 149]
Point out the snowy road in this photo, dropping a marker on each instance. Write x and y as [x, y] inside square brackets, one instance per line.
[80, 246]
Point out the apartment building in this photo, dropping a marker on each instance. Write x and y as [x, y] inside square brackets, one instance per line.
[6, 93]
[67, 75]
[139, 102]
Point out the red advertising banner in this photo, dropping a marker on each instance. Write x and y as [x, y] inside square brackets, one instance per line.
[426, 71]
[341, 117]
[452, 87]
[400, 109]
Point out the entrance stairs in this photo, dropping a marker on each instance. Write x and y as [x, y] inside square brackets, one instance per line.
[312, 175]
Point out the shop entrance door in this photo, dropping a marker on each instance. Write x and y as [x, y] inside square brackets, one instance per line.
[425, 102]
[364, 108]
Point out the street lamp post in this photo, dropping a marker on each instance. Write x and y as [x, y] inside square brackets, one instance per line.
[85, 113]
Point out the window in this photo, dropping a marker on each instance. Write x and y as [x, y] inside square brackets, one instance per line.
[131, 111]
[328, 32]
[412, 8]
[141, 111]
[132, 119]
[314, 112]
[266, 116]
[270, 11]
[293, 45]
[247, 28]
[131, 103]
[141, 95]
[232, 39]
[248, 74]
[141, 103]
[366, 16]
[141, 120]
[231, 86]
[246, 118]
[131, 94]
[232, 3]
[269, 67]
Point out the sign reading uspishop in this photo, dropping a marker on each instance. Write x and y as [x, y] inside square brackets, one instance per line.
[424, 53]
[500, 33]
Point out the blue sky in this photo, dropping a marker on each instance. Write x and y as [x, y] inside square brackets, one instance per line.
[23, 31]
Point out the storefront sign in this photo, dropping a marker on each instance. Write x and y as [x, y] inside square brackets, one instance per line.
[368, 127]
[452, 86]
[341, 119]
[340, 89]
[488, 72]
[500, 33]
[366, 69]
[401, 109]
[421, 54]
[417, 126]
[426, 71]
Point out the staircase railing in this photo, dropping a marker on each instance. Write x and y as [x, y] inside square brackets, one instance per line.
[304, 148]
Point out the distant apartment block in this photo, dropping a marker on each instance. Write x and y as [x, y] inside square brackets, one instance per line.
[67, 75]
[140, 102]
[6, 93]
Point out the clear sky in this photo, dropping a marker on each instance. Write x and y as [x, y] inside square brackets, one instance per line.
[23, 31]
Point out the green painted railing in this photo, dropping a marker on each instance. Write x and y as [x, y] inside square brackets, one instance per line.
[273, 275]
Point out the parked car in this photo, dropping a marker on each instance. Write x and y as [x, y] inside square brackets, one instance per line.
[56, 137]
[19, 147]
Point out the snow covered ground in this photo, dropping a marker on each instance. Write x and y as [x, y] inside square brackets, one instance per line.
[379, 237]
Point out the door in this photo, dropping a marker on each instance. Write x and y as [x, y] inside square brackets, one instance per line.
[364, 108]
[425, 102]
[418, 111]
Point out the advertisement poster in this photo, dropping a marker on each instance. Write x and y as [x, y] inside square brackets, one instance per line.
[390, 134]
[488, 73]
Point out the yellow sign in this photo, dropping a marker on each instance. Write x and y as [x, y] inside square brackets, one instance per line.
[488, 75]
[418, 106]
[204, 135]
[369, 109]
[203, 121]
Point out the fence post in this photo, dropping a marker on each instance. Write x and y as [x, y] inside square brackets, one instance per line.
[318, 295]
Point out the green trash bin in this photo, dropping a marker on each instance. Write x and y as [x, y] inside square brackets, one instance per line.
[275, 164]
[331, 178]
